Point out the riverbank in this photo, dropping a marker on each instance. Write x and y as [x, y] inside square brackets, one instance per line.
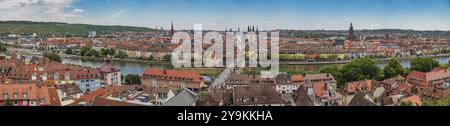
[135, 61]
[152, 62]
[348, 61]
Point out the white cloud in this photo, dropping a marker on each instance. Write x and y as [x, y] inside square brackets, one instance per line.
[40, 10]
[117, 14]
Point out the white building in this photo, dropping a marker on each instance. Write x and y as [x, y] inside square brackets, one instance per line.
[92, 34]
[110, 75]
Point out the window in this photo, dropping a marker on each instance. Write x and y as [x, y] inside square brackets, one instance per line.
[5, 95]
[41, 101]
[16, 95]
[24, 95]
[87, 85]
[25, 102]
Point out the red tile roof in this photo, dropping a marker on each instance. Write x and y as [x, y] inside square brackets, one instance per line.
[415, 100]
[33, 92]
[174, 75]
[320, 89]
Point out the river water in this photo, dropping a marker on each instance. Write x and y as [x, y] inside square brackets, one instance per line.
[134, 68]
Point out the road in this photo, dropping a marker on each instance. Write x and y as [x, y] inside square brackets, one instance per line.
[220, 80]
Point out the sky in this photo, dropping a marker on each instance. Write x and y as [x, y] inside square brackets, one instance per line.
[221, 14]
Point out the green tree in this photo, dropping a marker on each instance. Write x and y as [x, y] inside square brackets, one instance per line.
[122, 55]
[150, 58]
[409, 103]
[112, 52]
[133, 79]
[53, 56]
[202, 95]
[69, 51]
[336, 72]
[438, 102]
[104, 52]
[424, 64]
[167, 57]
[85, 50]
[7, 103]
[393, 68]
[360, 69]
[3, 48]
[178, 91]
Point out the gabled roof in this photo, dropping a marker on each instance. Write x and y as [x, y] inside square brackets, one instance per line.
[98, 101]
[88, 98]
[253, 95]
[184, 98]
[303, 98]
[54, 97]
[415, 100]
[108, 69]
[360, 100]
[379, 92]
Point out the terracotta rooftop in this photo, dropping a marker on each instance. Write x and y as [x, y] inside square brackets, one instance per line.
[174, 75]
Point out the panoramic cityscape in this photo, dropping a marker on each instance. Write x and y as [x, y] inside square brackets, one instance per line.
[123, 53]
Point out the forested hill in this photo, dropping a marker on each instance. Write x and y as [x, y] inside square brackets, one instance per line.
[45, 29]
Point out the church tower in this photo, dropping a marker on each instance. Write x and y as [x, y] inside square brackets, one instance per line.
[351, 32]
[172, 30]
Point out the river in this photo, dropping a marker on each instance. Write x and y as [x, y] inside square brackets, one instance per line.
[134, 68]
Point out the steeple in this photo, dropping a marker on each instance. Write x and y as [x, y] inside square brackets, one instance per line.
[351, 32]
[172, 30]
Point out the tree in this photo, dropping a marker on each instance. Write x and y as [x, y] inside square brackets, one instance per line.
[53, 56]
[360, 69]
[179, 90]
[389, 72]
[424, 64]
[167, 57]
[85, 50]
[112, 52]
[133, 79]
[440, 102]
[122, 55]
[202, 95]
[335, 71]
[104, 52]
[3, 48]
[150, 58]
[408, 103]
[7, 103]
[69, 51]
[393, 68]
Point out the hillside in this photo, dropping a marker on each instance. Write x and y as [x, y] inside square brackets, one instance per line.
[45, 29]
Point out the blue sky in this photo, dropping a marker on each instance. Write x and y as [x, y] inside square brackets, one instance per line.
[267, 14]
